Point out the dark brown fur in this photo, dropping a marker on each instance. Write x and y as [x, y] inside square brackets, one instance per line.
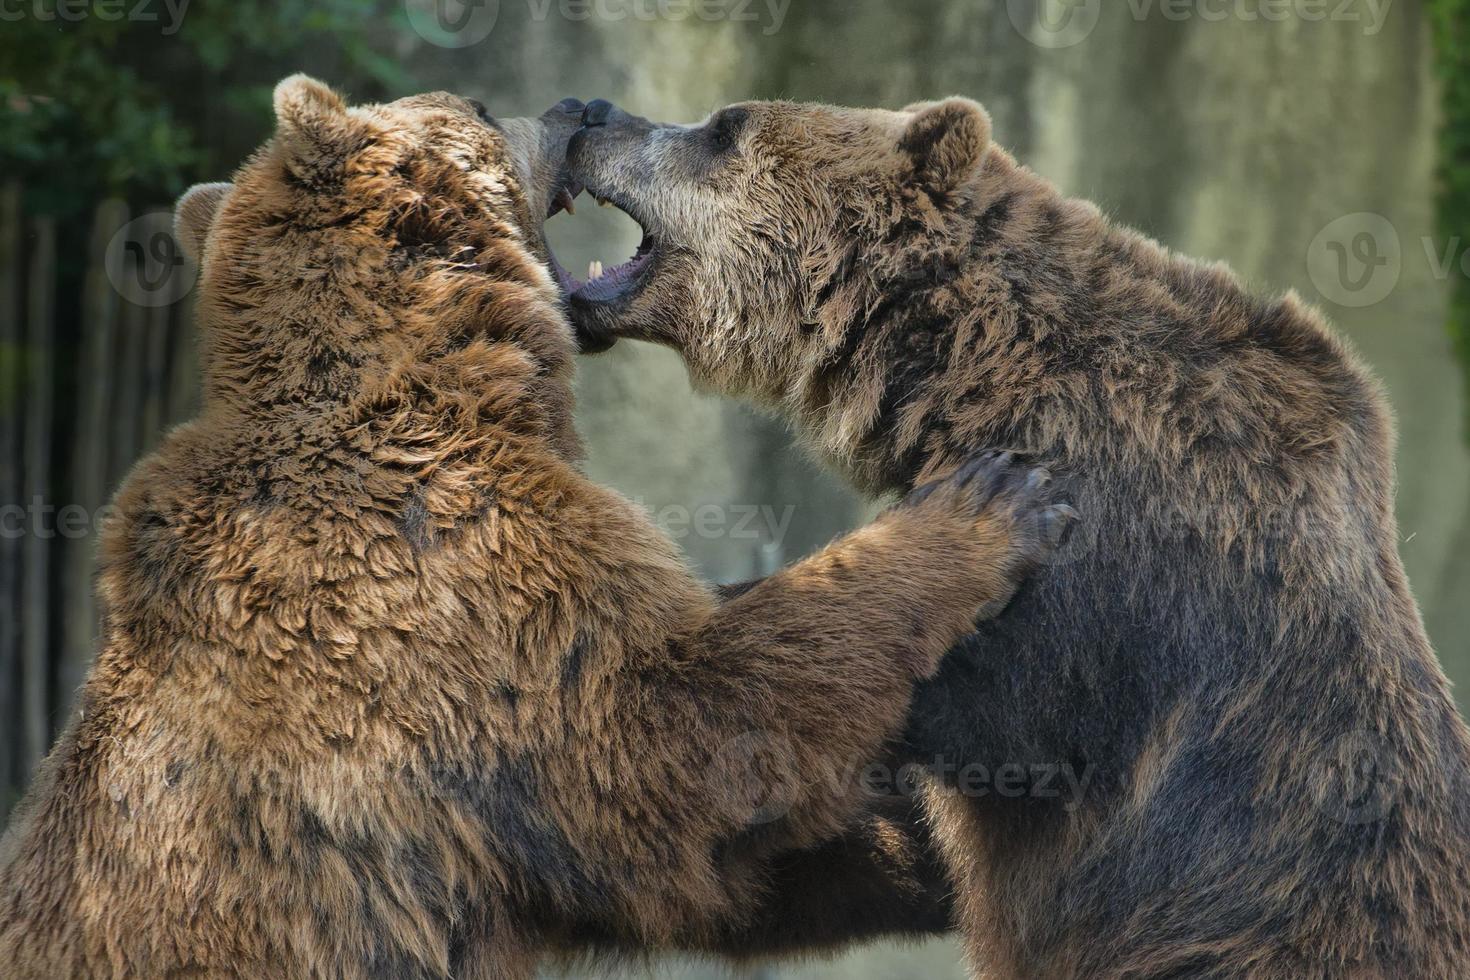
[387, 687]
[1279, 781]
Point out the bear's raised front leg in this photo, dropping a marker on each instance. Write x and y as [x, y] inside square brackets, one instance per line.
[737, 735]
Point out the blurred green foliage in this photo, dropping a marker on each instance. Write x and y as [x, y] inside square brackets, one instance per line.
[1451, 19]
[139, 98]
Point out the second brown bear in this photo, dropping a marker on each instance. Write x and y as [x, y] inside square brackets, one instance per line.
[1277, 780]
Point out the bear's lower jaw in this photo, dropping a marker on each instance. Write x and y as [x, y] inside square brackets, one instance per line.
[589, 341]
[611, 284]
[598, 309]
[616, 283]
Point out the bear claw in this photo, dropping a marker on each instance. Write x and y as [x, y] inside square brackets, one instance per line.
[1057, 522]
[995, 478]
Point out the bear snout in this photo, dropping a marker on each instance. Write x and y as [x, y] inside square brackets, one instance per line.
[598, 112]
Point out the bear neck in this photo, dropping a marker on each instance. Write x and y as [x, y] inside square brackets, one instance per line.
[1019, 318]
[477, 354]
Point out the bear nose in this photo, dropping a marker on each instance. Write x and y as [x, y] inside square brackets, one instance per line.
[597, 112]
[571, 106]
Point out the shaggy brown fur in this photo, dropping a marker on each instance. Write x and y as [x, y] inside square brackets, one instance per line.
[386, 687]
[1277, 777]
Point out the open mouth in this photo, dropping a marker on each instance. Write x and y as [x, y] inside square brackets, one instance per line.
[604, 284]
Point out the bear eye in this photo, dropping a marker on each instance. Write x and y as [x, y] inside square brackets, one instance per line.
[725, 129]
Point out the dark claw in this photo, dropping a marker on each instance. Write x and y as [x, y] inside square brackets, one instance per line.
[1057, 522]
[989, 462]
[969, 470]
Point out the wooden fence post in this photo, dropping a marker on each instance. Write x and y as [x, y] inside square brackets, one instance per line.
[183, 382]
[127, 393]
[11, 770]
[40, 333]
[88, 478]
[155, 376]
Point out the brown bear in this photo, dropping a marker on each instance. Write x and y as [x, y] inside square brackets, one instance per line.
[1232, 665]
[386, 687]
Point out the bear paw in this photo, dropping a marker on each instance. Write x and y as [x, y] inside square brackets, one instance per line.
[1011, 507]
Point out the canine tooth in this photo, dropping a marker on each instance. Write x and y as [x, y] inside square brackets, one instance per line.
[594, 270]
[565, 199]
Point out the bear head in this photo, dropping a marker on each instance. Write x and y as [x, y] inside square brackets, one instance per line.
[360, 242]
[768, 225]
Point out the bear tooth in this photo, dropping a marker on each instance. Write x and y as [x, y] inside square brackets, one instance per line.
[594, 270]
[565, 200]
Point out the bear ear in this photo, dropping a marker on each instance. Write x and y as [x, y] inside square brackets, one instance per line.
[945, 141]
[195, 213]
[312, 124]
[916, 107]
